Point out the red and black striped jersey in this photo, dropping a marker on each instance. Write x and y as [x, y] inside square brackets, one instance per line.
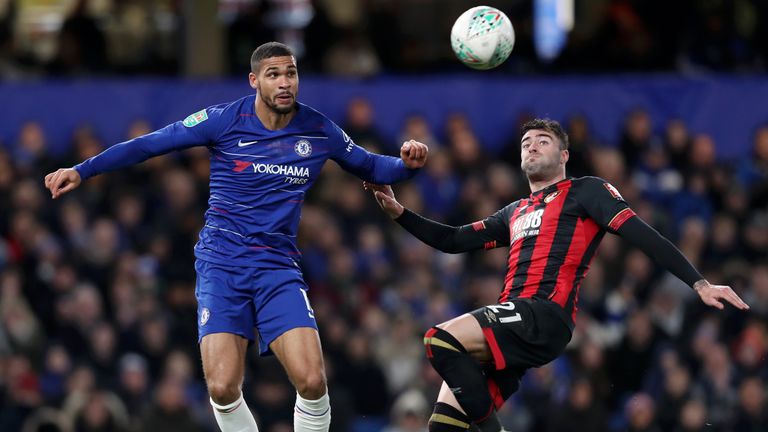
[552, 237]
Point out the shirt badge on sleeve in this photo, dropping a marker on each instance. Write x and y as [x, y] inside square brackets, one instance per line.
[196, 118]
[614, 192]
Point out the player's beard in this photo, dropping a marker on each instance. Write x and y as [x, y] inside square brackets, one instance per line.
[285, 109]
[541, 168]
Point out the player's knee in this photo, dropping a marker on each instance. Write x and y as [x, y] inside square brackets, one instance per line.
[438, 341]
[311, 385]
[222, 392]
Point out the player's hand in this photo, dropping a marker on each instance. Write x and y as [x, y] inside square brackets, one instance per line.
[713, 294]
[414, 154]
[62, 181]
[386, 199]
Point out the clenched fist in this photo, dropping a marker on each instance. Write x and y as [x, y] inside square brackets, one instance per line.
[414, 154]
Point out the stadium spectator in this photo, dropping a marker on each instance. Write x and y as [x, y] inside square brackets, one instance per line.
[30, 153]
[693, 418]
[169, 412]
[631, 360]
[408, 413]
[655, 177]
[359, 125]
[580, 408]
[352, 56]
[582, 144]
[751, 415]
[637, 136]
[640, 411]
[677, 142]
[81, 44]
[675, 393]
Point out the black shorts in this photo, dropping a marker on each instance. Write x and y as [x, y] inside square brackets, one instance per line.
[521, 333]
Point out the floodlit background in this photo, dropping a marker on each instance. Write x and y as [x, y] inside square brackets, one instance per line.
[665, 99]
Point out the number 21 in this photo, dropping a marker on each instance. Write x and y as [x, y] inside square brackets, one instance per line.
[506, 306]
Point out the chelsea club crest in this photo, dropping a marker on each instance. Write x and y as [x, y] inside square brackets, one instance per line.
[303, 148]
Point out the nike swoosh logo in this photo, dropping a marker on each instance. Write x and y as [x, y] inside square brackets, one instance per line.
[245, 143]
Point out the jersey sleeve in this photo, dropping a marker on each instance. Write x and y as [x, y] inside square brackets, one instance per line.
[371, 167]
[661, 250]
[603, 203]
[200, 128]
[489, 233]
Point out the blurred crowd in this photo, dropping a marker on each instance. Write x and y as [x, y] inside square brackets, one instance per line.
[98, 315]
[360, 38]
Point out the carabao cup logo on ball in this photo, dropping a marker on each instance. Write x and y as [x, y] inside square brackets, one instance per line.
[482, 37]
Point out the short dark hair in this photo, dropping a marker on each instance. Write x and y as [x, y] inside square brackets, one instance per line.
[548, 125]
[269, 50]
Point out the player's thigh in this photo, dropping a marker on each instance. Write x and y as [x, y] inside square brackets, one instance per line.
[223, 356]
[281, 305]
[469, 333]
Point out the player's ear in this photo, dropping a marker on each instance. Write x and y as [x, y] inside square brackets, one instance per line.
[564, 155]
[253, 80]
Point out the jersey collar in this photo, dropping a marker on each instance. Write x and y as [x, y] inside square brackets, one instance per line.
[551, 188]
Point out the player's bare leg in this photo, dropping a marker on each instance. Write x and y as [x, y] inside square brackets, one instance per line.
[224, 367]
[300, 353]
[455, 349]
[468, 332]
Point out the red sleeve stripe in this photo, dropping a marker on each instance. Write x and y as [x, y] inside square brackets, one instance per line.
[490, 244]
[620, 218]
[498, 357]
[478, 226]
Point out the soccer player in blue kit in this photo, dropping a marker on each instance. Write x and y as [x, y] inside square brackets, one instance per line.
[266, 151]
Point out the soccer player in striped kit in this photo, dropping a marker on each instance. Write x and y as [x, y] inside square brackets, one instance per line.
[266, 151]
[552, 236]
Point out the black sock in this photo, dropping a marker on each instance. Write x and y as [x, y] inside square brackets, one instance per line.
[464, 377]
[446, 418]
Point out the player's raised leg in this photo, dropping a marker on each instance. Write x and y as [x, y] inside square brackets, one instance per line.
[224, 367]
[299, 352]
[455, 349]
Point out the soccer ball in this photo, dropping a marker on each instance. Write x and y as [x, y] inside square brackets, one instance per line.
[482, 37]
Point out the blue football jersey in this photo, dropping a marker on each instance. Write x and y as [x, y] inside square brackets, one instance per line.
[259, 177]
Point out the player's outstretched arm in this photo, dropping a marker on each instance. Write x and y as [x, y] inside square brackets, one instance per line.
[381, 169]
[61, 181]
[653, 244]
[198, 129]
[484, 234]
